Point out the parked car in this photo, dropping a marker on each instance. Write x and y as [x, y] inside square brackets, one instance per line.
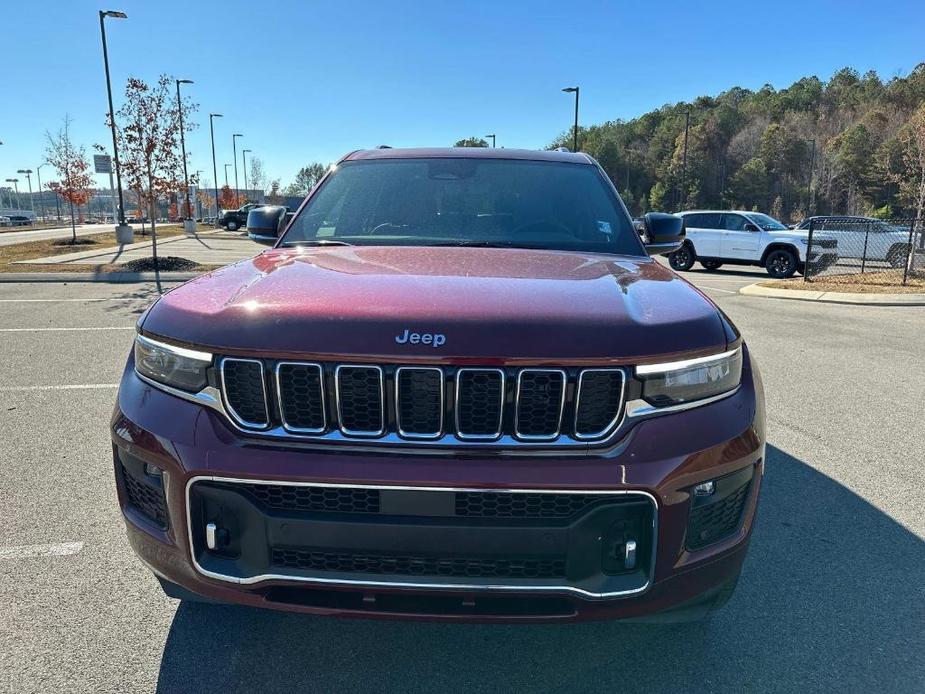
[19, 220]
[232, 220]
[456, 387]
[863, 237]
[5, 221]
[718, 237]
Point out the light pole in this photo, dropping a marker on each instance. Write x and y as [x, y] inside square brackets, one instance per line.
[121, 228]
[234, 151]
[38, 174]
[226, 174]
[214, 170]
[244, 160]
[188, 224]
[198, 188]
[14, 181]
[28, 173]
[574, 90]
[683, 196]
[812, 171]
[492, 140]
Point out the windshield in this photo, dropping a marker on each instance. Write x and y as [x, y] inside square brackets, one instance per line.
[466, 202]
[765, 223]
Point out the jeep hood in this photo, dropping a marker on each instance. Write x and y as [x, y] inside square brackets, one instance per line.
[490, 304]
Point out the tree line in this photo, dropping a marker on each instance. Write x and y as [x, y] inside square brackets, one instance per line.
[854, 144]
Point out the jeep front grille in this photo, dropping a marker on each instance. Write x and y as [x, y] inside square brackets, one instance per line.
[423, 404]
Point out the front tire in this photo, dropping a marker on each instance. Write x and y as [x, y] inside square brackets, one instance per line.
[711, 265]
[682, 259]
[232, 226]
[897, 256]
[781, 264]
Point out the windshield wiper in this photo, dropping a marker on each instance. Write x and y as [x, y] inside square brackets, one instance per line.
[318, 242]
[478, 244]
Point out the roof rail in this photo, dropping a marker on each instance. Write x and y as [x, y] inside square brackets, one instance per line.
[562, 149]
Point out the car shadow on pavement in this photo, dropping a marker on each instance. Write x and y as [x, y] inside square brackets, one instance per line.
[830, 599]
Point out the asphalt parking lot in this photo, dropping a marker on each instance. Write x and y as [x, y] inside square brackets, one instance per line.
[831, 598]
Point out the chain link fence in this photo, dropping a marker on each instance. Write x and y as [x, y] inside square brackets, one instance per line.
[869, 252]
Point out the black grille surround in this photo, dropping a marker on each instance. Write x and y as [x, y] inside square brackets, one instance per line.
[424, 404]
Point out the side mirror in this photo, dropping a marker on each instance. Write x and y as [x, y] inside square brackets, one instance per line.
[665, 233]
[265, 224]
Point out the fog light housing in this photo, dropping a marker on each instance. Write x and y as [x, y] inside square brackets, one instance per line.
[153, 470]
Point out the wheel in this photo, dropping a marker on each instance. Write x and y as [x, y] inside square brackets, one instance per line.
[682, 259]
[897, 256]
[232, 226]
[781, 263]
[711, 264]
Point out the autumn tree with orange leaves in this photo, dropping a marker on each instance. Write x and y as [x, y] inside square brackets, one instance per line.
[148, 131]
[229, 200]
[70, 161]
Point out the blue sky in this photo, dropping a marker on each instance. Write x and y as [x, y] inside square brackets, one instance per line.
[310, 80]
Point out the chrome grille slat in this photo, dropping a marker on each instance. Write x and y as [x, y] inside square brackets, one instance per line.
[360, 399]
[478, 391]
[538, 415]
[418, 412]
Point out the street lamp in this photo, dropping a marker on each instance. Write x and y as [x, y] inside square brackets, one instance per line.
[28, 173]
[214, 169]
[198, 198]
[575, 135]
[244, 159]
[38, 173]
[234, 151]
[226, 174]
[112, 115]
[188, 224]
[14, 181]
[492, 140]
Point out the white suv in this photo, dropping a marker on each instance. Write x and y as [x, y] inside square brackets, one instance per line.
[718, 237]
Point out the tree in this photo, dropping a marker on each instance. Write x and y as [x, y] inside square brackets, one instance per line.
[70, 161]
[149, 142]
[229, 200]
[258, 178]
[472, 142]
[912, 178]
[306, 179]
[657, 197]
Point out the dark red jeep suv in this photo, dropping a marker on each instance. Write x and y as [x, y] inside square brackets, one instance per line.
[457, 387]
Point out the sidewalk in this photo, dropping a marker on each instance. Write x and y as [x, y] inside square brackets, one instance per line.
[206, 248]
[860, 299]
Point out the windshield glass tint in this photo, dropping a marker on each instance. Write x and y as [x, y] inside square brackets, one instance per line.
[466, 201]
[765, 222]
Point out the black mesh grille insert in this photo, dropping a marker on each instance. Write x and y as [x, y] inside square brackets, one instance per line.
[330, 499]
[711, 523]
[479, 395]
[599, 401]
[360, 399]
[409, 565]
[146, 498]
[301, 397]
[420, 401]
[523, 504]
[539, 403]
[244, 390]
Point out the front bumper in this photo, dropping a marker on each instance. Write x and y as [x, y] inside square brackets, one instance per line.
[412, 553]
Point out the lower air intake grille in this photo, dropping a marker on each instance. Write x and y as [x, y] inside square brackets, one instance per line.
[146, 498]
[479, 403]
[245, 391]
[709, 524]
[600, 398]
[523, 504]
[401, 565]
[329, 499]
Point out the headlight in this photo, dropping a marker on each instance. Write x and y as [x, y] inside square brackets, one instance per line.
[692, 379]
[171, 365]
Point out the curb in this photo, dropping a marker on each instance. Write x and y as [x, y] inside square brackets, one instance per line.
[102, 277]
[854, 298]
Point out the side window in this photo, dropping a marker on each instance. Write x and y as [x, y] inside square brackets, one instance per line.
[692, 220]
[710, 220]
[734, 222]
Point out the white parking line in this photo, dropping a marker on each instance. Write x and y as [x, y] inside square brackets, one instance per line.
[717, 289]
[51, 330]
[80, 386]
[60, 549]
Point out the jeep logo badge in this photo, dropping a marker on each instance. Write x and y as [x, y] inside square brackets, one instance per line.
[433, 339]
